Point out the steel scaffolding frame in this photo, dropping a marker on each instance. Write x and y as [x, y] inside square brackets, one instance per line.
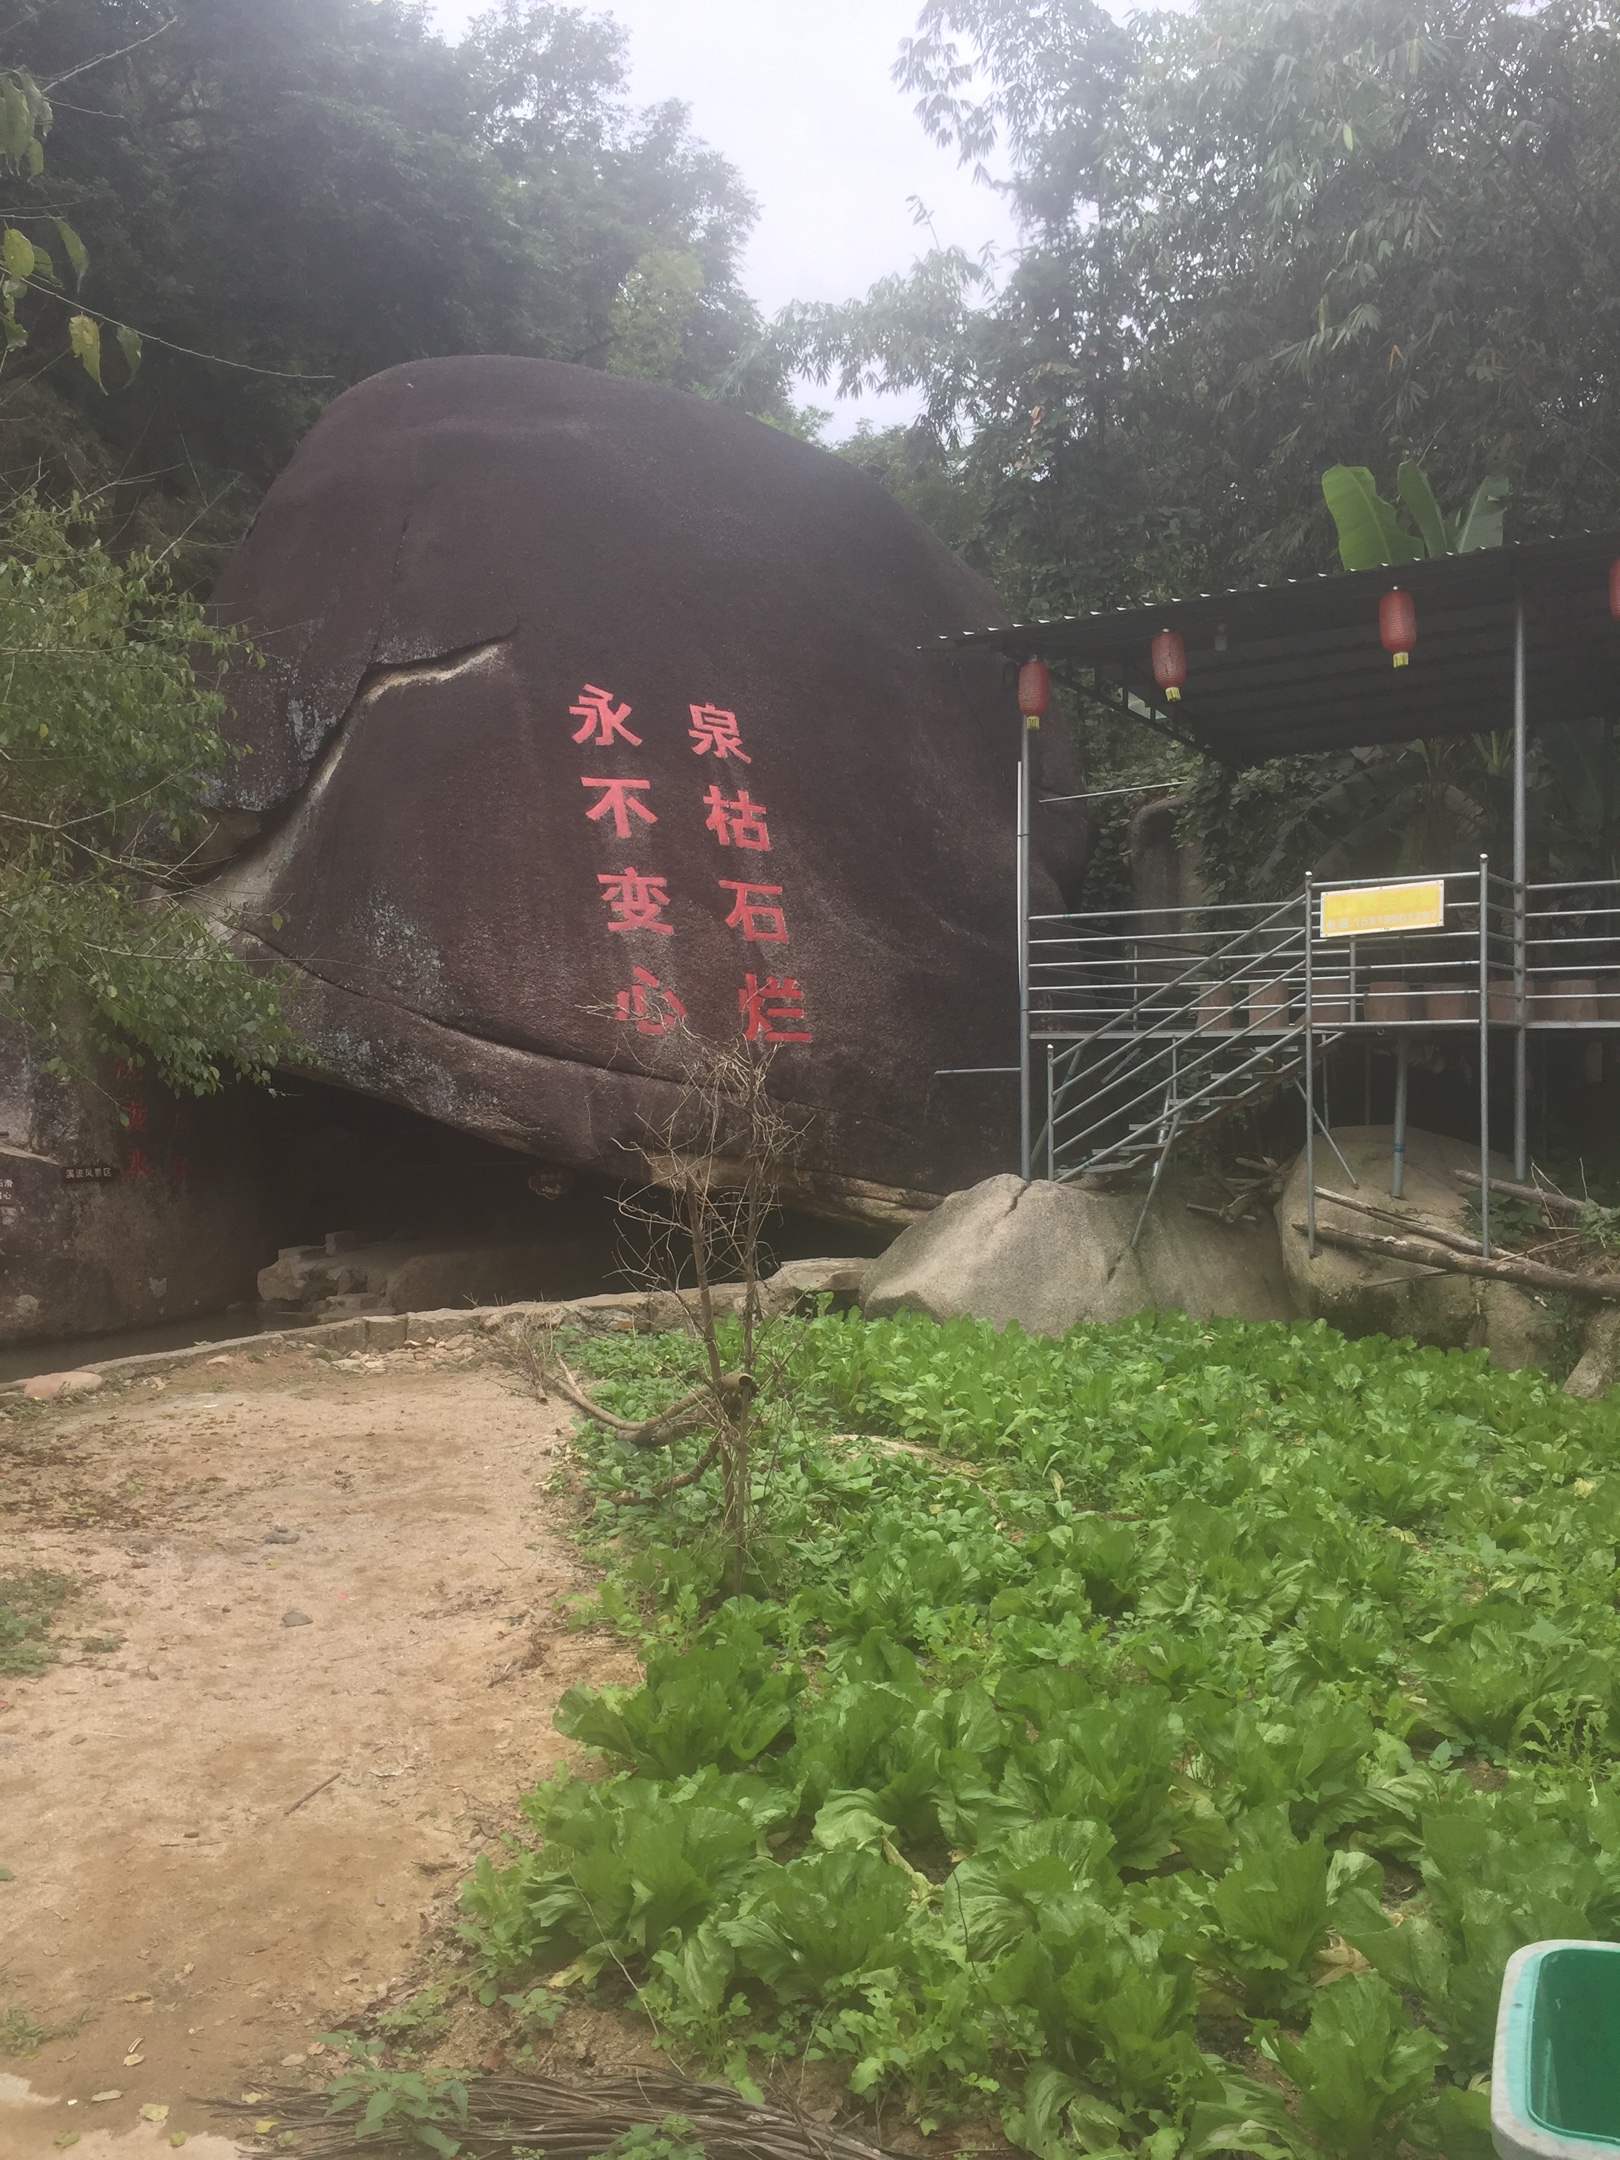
[1152, 1024]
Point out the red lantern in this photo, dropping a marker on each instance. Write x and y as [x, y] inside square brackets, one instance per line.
[1397, 625]
[1614, 588]
[1169, 662]
[1034, 688]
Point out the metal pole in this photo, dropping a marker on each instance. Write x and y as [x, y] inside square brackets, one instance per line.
[1397, 1165]
[1023, 958]
[1310, 1091]
[1484, 1056]
[1521, 1125]
[1051, 1117]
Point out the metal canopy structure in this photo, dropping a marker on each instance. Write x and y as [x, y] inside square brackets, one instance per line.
[1291, 669]
[1153, 1024]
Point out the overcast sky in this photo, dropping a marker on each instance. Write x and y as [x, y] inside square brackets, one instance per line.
[798, 96]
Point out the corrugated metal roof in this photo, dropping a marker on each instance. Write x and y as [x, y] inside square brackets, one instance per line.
[1274, 670]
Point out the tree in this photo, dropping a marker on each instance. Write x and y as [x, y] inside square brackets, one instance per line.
[289, 195]
[107, 741]
[1262, 238]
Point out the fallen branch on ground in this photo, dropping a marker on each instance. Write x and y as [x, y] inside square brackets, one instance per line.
[1555, 1203]
[1425, 1253]
[1458, 1240]
[567, 2122]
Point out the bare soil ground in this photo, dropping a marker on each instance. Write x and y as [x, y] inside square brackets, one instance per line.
[334, 1591]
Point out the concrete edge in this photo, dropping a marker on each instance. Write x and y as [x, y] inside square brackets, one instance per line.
[620, 1312]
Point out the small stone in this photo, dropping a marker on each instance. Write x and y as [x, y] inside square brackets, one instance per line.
[295, 1619]
[280, 1535]
[114, 2092]
[46, 1387]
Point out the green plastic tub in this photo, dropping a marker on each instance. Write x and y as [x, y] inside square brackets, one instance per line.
[1555, 2077]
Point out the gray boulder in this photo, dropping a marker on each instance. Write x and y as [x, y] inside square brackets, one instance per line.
[1598, 1367]
[1367, 1294]
[1049, 1256]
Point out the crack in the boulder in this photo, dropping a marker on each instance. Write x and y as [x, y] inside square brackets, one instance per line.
[232, 893]
[441, 668]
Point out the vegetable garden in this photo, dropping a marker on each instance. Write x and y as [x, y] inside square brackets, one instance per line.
[1155, 1740]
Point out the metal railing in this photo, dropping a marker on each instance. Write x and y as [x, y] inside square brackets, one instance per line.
[1154, 1023]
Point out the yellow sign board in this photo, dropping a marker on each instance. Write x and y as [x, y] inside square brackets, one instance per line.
[1365, 910]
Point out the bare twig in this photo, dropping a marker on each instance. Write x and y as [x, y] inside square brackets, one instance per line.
[576, 2122]
[313, 1790]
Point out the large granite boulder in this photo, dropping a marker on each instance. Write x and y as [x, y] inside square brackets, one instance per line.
[1368, 1294]
[1048, 1256]
[590, 705]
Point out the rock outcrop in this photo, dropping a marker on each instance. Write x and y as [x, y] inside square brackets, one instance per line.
[1048, 1256]
[1366, 1294]
[591, 705]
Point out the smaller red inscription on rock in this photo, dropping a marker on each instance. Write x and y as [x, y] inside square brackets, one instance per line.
[636, 902]
[759, 922]
[773, 1010]
[716, 730]
[655, 1010]
[737, 822]
[134, 1115]
[135, 1164]
[601, 719]
[180, 1168]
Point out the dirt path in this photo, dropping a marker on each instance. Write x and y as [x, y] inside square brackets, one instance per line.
[332, 1587]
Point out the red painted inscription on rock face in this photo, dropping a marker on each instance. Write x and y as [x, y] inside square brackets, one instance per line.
[715, 729]
[655, 1010]
[737, 822]
[773, 1010]
[621, 799]
[759, 922]
[636, 902]
[601, 719]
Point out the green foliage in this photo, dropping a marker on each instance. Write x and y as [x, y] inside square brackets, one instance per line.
[410, 2106]
[688, 1713]
[28, 1604]
[1359, 2068]
[670, 2138]
[1370, 530]
[288, 198]
[1257, 240]
[107, 742]
[1243, 1644]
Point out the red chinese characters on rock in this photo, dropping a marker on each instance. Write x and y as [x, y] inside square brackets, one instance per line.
[760, 922]
[135, 1164]
[714, 729]
[180, 1168]
[602, 721]
[737, 822]
[636, 902]
[134, 1115]
[654, 1009]
[773, 1010]
[772, 1006]
[621, 800]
